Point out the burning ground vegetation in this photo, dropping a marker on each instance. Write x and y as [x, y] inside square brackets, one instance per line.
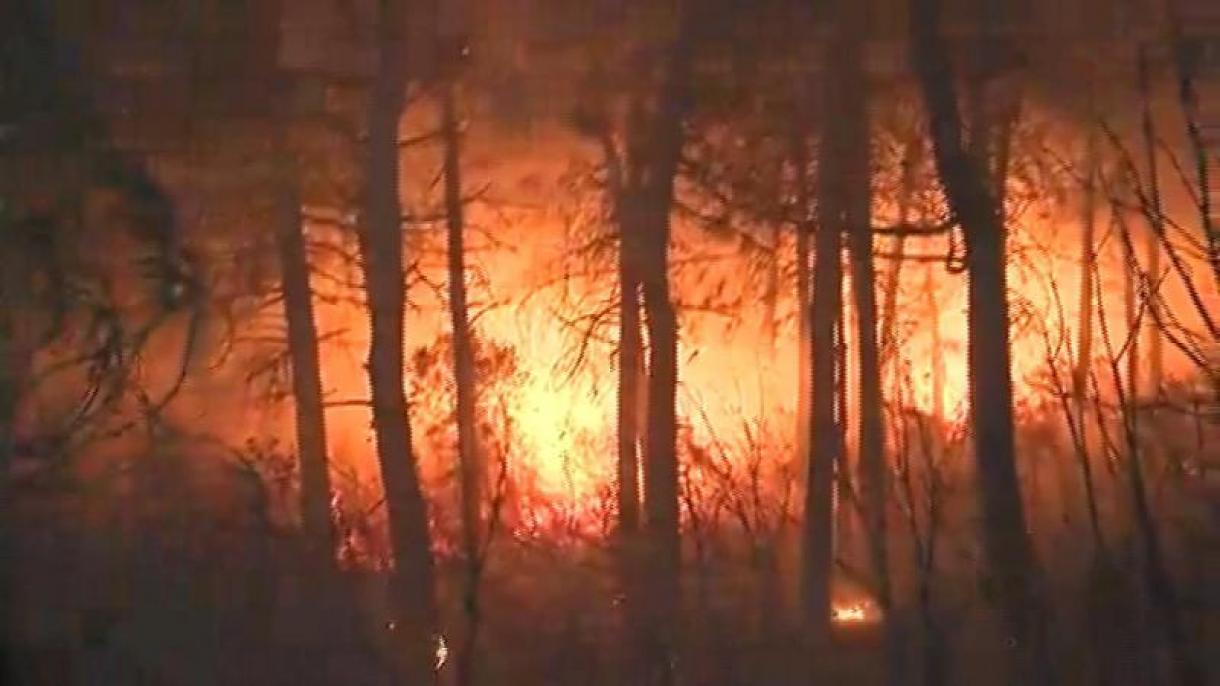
[402, 343]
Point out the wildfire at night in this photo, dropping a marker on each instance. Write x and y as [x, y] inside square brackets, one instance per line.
[612, 342]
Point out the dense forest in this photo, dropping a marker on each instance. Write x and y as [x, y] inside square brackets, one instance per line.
[634, 342]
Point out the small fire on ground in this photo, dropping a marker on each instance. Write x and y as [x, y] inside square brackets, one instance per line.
[854, 612]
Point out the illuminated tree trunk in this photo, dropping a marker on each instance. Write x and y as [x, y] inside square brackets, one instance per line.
[845, 505]
[661, 463]
[804, 230]
[632, 384]
[381, 251]
[631, 380]
[1010, 565]
[656, 175]
[630, 372]
[631, 387]
[306, 375]
[470, 465]
[826, 441]
[1088, 258]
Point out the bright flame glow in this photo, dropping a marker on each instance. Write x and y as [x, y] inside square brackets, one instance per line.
[733, 380]
[852, 613]
[442, 651]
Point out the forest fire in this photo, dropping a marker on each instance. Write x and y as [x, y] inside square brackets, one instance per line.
[378, 342]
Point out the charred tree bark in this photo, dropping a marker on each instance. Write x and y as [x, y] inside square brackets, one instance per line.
[381, 252]
[306, 375]
[470, 467]
[1010, 565]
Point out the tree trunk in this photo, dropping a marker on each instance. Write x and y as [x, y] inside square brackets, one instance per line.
[857, 179]
[470, 467]
[630, 371]
[630, 352]
[1088, 259]
[804, 231]
[631, 387]
[845, 501]
[1010, 565]
[381, 251]
[665, 139]
[306, 376]
[826, 440]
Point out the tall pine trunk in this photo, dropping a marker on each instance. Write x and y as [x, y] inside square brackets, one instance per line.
[630, 369]
[470, 467]
[656, 179]
[631, 387]
[1011, 570]
[629, 391]
[826, 442]
[804, 286]
[857, 179]
[1088, 259]
[306, 374]
[381, 252]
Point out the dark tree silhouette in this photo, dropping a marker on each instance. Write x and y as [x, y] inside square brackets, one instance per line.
[381, 252]
[1011, 569]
